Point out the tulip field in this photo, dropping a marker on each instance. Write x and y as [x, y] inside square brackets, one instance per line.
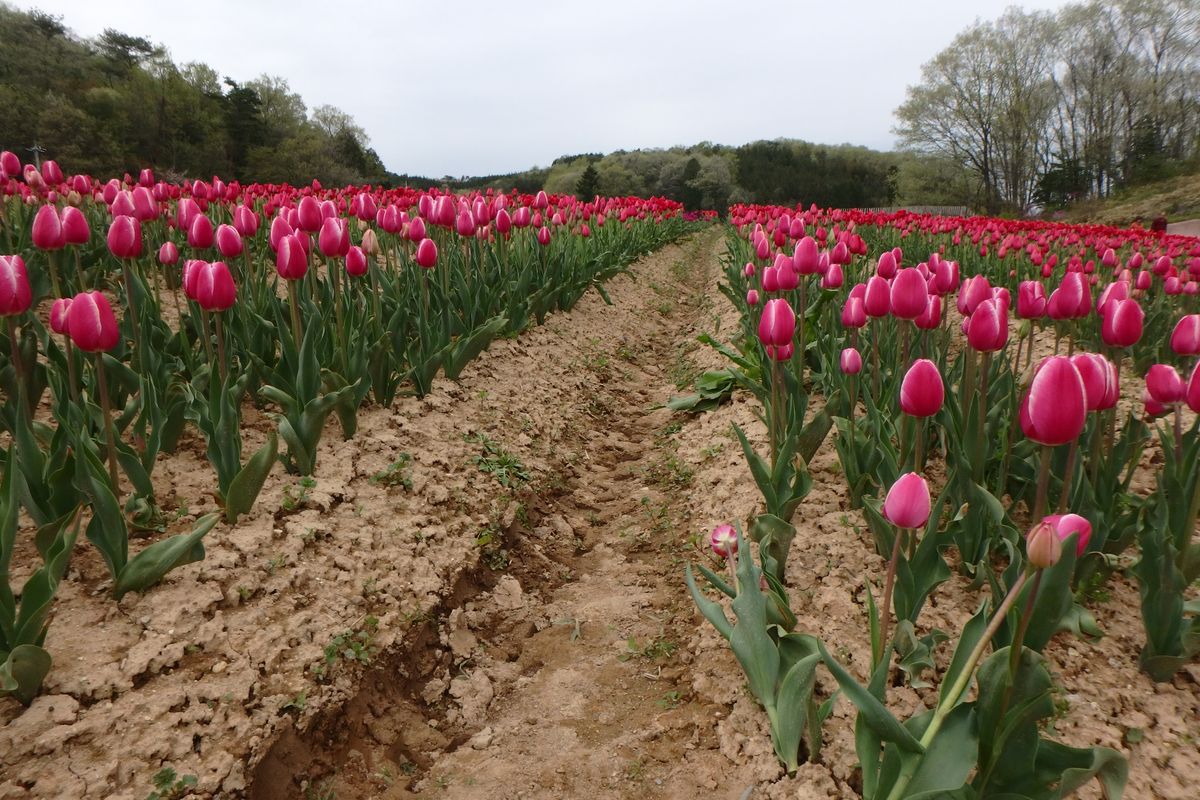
[1002, 413]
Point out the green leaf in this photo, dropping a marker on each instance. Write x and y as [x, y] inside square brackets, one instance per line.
[244, 489]
[712, 611]
[791, 707]
[1078, 766]
[751, 644]
[149, 566]
[23, 671]
[872, 711]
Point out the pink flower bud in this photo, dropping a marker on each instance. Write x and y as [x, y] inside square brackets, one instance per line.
[752, 297]
[886, 266]
[47, 229]
[75, 226]
[334, 239]
[229, 241]
[854, 313]
[15, 293]
[91, 323]
[724, 541]
[168, 254]
[1193, 389]
[987, 327]
[291, 258]
[1165, 385]
[356, 261]
[212, 286]
[308, 214]
[909, 294]
[922, 391]
[200, 233]
[1121, 325]
[543, 236]
[1031, 300]
[125, 239]
[1042, 546]
[907, 504]
[851, 361]
[777, 326]
[1185, 339]
[931, 317]
[427, 254]
[1066, 524]
[877, 299]
[58, 315]
[1055, 408]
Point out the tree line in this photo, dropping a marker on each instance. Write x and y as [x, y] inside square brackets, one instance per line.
[119, 103]
[1043, 109]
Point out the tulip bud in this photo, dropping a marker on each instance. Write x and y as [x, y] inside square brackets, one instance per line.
[1031, 300]
[58, 315]
[356, 261]
[200, 233]
[543, 236]
[75, 226]
[1055, 408]
[807, 257]
[1121, 325]
[833, 277]
[125, 238]
[427, 254]
[291, 259]
[1066, 524]
[886, 266]
[91, 323]
[1193, 390]
[777, 326]
[370, 243]
[724, 541]
[752, 297]
[15, 293]
[334, 239]
[922, 391]
[1096, 372]
[47, 229]
[308, 214]
[1164, 385]
[931, 317]
[212, 286]
[10, 165]
[909, 294]
[877, 298]
[854, 313]
[987, 327]
[1185, 339]
[907, 504]
[1042, 546]
[168, 254]
[229, 241]
[851, 361]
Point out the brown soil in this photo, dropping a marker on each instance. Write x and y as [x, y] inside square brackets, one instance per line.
[534, 640]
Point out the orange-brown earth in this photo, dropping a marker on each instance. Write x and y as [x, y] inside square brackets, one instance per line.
[513, 621]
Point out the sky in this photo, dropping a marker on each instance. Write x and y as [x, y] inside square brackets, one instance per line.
[474, 88]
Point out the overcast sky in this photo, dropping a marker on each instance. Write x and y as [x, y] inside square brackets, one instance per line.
[465, 87]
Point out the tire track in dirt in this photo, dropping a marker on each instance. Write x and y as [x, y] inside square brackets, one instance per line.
[563, 673]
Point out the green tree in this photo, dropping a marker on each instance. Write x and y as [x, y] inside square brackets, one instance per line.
[588, 183]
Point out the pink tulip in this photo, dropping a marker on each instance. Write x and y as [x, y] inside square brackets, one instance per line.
[543, 236]
[1043, 547]
[922, 391]
[987, 327]
[503, 222]
[47, 229]
[75, 226]
[91, 323]
[931, 317]
[308, 214]
[1185, 339]
[877, 300]
[851, 361]
[1096, 372]
[10, 165]
[1193, 389]
[58, 315]
[15, 293]
[245, 221]
[1066, 524]
[752, 297]
[168, 254]
[974, 290]
[724, 541]
[427, 254]
[212, 286]
[125, 238]
[854, 313]
[291, 259]
[1165, 385]
[356, 261]
[1055, 408]
[229, 241]
[907, 504]
[833, 277]
[1031, 300]
[807, 258]
[886, 266]
[1122, 323]
[200, 233]
[778, 323]
[909, 294]
[334, 239]
[51, 172]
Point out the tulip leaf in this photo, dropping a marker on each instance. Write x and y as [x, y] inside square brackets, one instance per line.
[247, 484]
[462, 352]
[712, 611]
[873, 713]
[151, 564]
[1054, 598]
[944, 767]
[751, 644]
[22, 672]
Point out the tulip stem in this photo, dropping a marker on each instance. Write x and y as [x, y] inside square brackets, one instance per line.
[109, 435]
[1068, 476]
[131, 307]
[874, 359]
[985, 369]
[1178, 433]
[52, 258]
[221, 360]
[1043, 482]
[775, 413]
[885, 618]
[950, 700]
[294, 303]
[208, 349]
[919, 445]
[730, 560]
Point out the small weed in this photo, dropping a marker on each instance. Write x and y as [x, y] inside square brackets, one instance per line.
[670, 700]
[351, 645]
[502, 465]
[491, 549]
[244, 593]
[398, 473]
[1096, 589]
[275, 563]
[296, 495]
[408, 768]
[712, 451]
[659, 647]
[297, 703]
[321, 791]
[636, 771]
[168, 785]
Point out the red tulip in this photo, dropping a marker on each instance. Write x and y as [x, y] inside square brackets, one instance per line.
[1193, 389]
[1055, 408]
[168, 254]
[356, 261]
[987, 327]
[909, 294]
[125, 238]
[245, 220]
[15, 293]
[724, 541]
[1066, 524]
[807, 258]
[308, 214]
[854, 313]
[75, 226]
[778, 323]
[886, 266]
[229, 241]
[752, 297]
[1097, 374]
[91, 323]
[1185, 339]
[47, 229]
[200, 232]
[1165, 385]
[922, 391]
[1144, 281]
[212, 286]
[51, 172]
[851, 361]
[145, 208]
[427, 254]
[877, 300]
[503, 222]
[543, 236]
[907, 504]
[833, 277]
[10, 165]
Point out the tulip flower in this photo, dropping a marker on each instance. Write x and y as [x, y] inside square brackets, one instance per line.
[212, 286]
[877, 297]
[752, 297]
[807, 257]
[931, 317]
[15, 293]
[125, 238]
[1055, 408]
[10, 165]
[987, 327]
[308, 214]
[1122, 323]
[851, 361]
[75, 226]
[777, 325]
[1097, 374]
[833, 277]
[168, 254]
[922, 391]
[58, 315]
[1193, 390]
[47, 229]
[907, 506]
[854, 313]
[1031, 300]
[1185, 338]
[1043, 547]
[334, 239]
[1165, 385]
[724, 541]
[543, 236]
[973, 291]
[229, 241]
[427, 254]
[291, 261]
[1066, 524]
[200, 233]
[909, 294]
[91, 323]
[356, 261]
[886, 266]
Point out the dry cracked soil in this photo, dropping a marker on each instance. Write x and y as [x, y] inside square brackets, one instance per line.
[481, 596]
